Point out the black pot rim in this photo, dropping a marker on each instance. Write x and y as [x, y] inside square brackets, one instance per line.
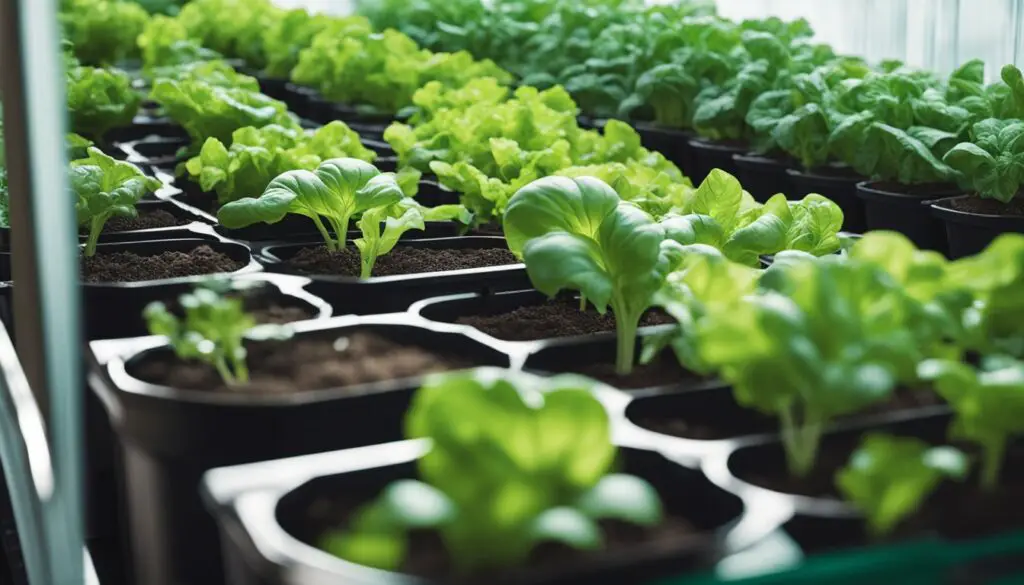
[995, 222]
[115, 369]
[269, 260]
[214, 241]
[225, 488]
[869, 190]
[808, 175]
[751, 159]
[717, 146]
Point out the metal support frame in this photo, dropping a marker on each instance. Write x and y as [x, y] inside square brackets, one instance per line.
[44, 241]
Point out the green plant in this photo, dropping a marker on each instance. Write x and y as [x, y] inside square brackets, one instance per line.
[337, 191]
[888, 478]
[992, 163]
[165, 43]
[578, 234]
[105, 188]
[213, 330]
[103, 32]
[100, 100]
[289, 34]
[994, 322]
[257, 155]
[818, 340]
[211, 111]
[234, 28]
[514, 460]
[988, 405]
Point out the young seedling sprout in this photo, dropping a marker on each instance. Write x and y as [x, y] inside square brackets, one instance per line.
[214, 330]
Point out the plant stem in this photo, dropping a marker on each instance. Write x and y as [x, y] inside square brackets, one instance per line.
[340, 228]
[225, 373]
[800, 439]
[583, 303]
[95, 228]
[328, 240]
[625, 327]
[367, 266]
[992, 463]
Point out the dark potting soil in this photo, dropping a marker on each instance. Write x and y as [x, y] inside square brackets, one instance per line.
[955, 509]
[427, 557]
[131, 267]
[401, 260]
[283, 367]
[557, 318]
[988, 206]
[688, 426]
[279, 315]
[145, 221]
[664, 370]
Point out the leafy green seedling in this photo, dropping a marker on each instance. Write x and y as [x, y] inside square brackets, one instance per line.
[818, 340]
[213, 330]
[105, 187]
[100, 100]
[988, 404]
[578, 234]
[337, 191]
[888, 478]
[515, 460]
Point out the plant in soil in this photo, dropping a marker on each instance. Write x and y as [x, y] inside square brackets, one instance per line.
[818, 340]
[102, 32]
[165, 45]
[106, 188]
[577, 234]
[991, 164]
[257, 155]
[515, 460]
[213, 330]
[888, 478]
[337, 191]
[988, 405]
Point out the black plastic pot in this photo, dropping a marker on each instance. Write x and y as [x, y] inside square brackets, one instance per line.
[170, 436]
[763, 176]
[673, 144]
[298, 97]
[840, 187]
[146, 126]
[905, 209]
[970, 233]
[156, 152]
[104, 300]
[293, 226]
[709, 155]
[367, 124]
[275, 87]
[262, 511]
[383, 294]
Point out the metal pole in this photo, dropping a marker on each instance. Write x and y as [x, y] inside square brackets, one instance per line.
[44, 240]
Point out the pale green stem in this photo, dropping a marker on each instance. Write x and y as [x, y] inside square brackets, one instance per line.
[368, 261]
[328, 240]
[340, 230]
[992, 463]
[625, 327]
[225, 372]
[95, 228]
[800, 439]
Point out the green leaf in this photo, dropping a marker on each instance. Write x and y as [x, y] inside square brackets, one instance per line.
[374, 242]
[558, 204]
[888, 478]
[622, 497]
[567, 526]
[100, 100]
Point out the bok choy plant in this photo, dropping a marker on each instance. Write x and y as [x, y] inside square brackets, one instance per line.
[213, 330]
[336, 192]
[105, 188]
[515, 460]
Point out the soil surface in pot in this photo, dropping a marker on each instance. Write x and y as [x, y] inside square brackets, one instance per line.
[401, 260]
[427, 557]
[145, 221]
[299, 365]
[955, 509]
[664, 370]
[686, 426]
[131, 267]
[278, 314]
[987, 206]
[557, 318]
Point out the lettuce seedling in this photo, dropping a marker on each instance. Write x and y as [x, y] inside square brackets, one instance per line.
[257, 155]
[991, 165]
[721, 214]
[578, 234]
[105, 188]
[819, 339]
[888, 478]
[988, 405]
[515, 460]
[234, 28]
[294, 31]
[381, 227]
[213, 330]
[210, 111]
[100, 100]
[102, 32]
